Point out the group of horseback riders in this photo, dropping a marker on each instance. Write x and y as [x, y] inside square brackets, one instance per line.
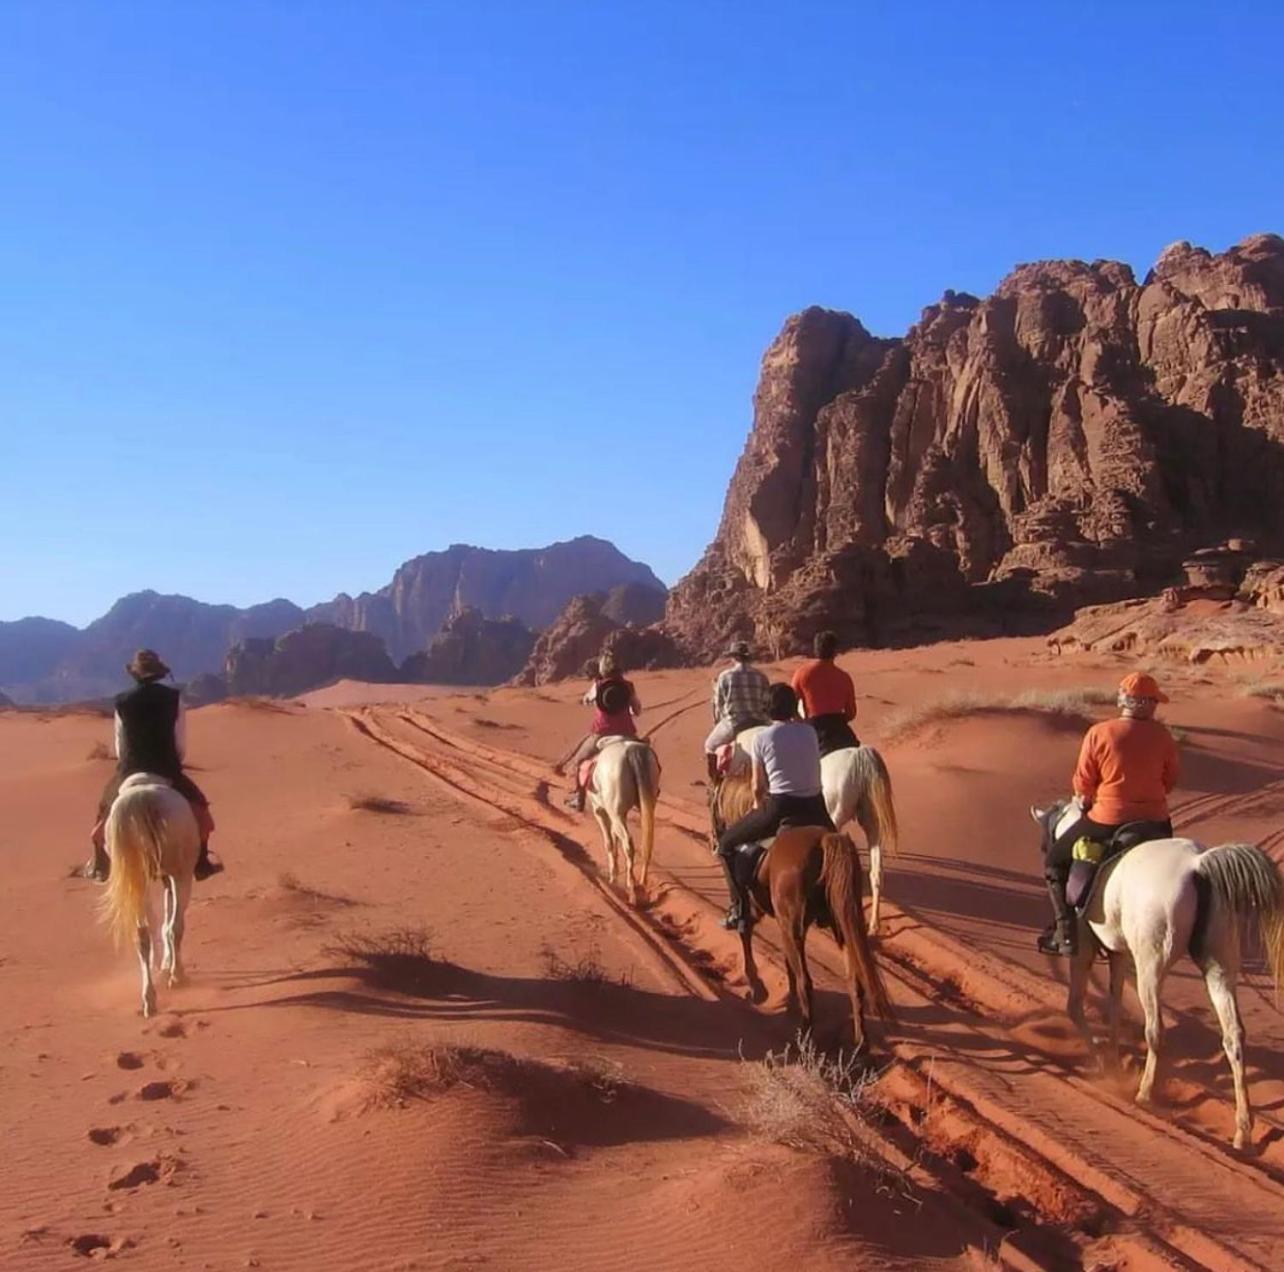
[1126, 770]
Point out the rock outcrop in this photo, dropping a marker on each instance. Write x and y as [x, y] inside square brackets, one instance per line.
[304, 659]
[472, 649]
[46, 661]
[531, 585]
[586, 629]
[1072, 438]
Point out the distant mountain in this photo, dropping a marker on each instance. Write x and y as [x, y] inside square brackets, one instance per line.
[531, 585]
[43, 661]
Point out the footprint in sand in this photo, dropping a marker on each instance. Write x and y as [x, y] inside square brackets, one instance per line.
[158, 1090]
[104, 1135]
[94, 1246]
[140, 1174]
[173, 1029]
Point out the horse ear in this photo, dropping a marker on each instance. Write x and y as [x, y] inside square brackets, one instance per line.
[1037, 814]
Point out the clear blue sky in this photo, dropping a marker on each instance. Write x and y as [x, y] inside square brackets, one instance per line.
[290, 292]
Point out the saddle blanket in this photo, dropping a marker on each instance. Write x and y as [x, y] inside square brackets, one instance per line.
[732, 760]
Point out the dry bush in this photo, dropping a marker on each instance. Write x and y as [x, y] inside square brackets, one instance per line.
[403, 1071]
[1272, 690]
[586, 970]
[365, 802]
[99, 751]
[482, 722]
[1072, 706]
[805, 1100]
[288, 881]
[399, 959]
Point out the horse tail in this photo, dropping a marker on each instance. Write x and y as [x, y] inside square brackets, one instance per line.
[840, 873]
[876, 794]
[135, 843]
[646, 777]
[1248, 883]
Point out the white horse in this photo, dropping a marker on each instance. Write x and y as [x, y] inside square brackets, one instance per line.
[626, 776]
[153, 842]
[857, 787]
[1161, 900]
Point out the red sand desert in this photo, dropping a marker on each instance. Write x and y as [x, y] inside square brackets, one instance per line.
[593, 1111]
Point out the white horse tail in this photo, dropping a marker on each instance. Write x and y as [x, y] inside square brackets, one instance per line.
[135, 844]
[876, 782]
[1248, 883]
[840, 874]
[646, 777]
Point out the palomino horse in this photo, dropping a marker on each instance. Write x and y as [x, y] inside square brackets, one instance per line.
[857, 787]
[1161, 900]
[809, 875]
[626, 776]
[153, 842]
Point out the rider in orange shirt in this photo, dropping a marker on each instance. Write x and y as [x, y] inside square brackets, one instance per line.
[1127, 768]
[828, 696]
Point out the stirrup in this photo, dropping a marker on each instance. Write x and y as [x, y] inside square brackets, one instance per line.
[1056, 944]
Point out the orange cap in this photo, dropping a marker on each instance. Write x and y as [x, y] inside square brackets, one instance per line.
[1140, 685]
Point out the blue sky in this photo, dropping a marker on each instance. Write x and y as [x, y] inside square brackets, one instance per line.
[290, 292]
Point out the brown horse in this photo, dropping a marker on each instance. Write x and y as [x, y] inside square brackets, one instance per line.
[809, 875]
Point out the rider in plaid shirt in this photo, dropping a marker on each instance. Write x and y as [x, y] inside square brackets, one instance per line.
[739, 700]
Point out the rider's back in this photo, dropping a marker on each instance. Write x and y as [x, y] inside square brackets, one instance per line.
[791, 756]
[1133, 765]
[148, 714]
[825, 689]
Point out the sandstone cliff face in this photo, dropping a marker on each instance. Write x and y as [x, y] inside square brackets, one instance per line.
[472, 649]
[531, 585]
[307, 658]
[1071, 438]
[585, 629]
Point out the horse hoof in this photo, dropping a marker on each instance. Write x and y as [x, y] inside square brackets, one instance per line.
[757, 994]
[1240, 1141]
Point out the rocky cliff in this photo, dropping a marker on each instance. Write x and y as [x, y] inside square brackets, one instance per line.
[307, 658]
[531, 585]
[472, 649]
[46, 661]
[1069, 439]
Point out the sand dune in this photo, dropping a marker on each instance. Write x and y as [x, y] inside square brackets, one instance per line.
[308, 1101]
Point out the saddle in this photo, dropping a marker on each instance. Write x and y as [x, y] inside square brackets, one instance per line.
[589, 766]
[1090, 855]
[744, 863]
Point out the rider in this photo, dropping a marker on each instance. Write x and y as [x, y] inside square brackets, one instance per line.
[739, 702]
[828, 696]
[615, 703]
[1127, 769]
[786, 787]
[151, 737]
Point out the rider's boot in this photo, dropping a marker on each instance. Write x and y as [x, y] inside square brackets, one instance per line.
[738, 911]
[98, 867]
[711, 765]
[1061, 937]
[205, 864]
[575, 799]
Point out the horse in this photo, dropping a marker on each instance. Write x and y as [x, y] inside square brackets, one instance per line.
[809, 875]
[626, 776]
[153, 841]
[1160, 900]
[856, 786]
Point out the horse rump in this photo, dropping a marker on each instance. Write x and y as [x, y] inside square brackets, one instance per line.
[1248, 884]
[135, 843]
[840, 875]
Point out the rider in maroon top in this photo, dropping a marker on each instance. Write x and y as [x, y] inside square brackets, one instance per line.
[615, 704]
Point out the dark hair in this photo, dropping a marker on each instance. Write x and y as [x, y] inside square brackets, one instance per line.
[826, 644]
[782, 702]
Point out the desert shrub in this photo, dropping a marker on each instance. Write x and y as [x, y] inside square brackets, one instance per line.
[587, 968]
[1073, 706]
[366, 802]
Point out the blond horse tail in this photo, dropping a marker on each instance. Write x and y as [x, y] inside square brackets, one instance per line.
[1248, 883]
[135, 843]
[840, 873]
[646, 777]
[876, 795]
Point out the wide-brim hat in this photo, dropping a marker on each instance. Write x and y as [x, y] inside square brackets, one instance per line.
[739, 649]
[1140, 685]
[613, 696]
[146, 665]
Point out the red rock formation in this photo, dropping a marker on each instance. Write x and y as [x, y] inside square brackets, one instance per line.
[1073, 437]
[308, 658]
[472, 649]
[585, 629]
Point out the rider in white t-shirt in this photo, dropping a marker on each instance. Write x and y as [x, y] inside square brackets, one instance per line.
[786, 783]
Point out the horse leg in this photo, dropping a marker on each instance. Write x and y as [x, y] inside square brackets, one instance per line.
[169, 903]
[1220, 982]
[1080, 974]
[793, 934]
[1149, 976]
[869, 825]
[145, 959]
[182, 890]
[757, 990]
[626, 843]
[608, 839]
[1114, 1003]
